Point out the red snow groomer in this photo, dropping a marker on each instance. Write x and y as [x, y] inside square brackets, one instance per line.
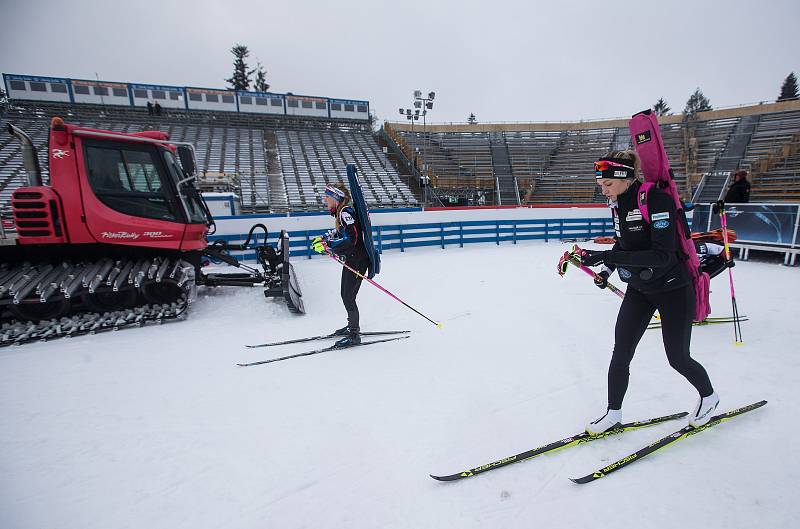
[117, 238]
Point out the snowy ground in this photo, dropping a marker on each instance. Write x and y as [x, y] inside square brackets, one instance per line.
[157, 428]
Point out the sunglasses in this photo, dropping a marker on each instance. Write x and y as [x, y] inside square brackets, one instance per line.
[605, 165]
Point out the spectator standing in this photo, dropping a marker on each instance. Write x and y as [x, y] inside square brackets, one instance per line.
[739, 191]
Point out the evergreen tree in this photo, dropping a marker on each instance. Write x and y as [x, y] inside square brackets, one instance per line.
[472, 120]
[789, 88]
[260, 84]
[240, 80]
[661, 108]
[697, 103]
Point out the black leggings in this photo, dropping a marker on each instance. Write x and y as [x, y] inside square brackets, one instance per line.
[350, 285]
[677, 310]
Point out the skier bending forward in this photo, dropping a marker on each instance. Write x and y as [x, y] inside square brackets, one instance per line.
[646, 255]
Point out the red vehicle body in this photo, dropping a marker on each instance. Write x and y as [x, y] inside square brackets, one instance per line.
[41, 217]
[120, 225]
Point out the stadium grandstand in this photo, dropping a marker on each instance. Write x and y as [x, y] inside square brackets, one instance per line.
[276, 161]
[551, 163]
[277, 151]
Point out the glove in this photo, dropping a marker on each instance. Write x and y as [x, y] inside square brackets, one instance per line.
[601, 279]
[563, 263]
[318, 245]
[592, 257]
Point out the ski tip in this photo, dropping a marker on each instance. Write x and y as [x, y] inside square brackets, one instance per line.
[446, 478]
[586, 479]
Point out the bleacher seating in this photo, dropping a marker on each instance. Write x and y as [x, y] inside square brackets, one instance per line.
[276, 165]
[712, 137]
[458, 160]
[310, 159]
[552, 163]
[773, 158]
[569, 177]
[282, 165]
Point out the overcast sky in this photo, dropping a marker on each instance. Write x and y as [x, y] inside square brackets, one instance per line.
[502, 60]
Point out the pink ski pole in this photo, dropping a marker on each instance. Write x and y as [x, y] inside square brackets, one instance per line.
[595, 275]
[573, 259]
[356, 272]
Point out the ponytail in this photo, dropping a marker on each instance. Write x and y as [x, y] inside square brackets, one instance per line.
[343, 204]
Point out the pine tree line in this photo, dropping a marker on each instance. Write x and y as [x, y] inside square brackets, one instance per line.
[698, 102]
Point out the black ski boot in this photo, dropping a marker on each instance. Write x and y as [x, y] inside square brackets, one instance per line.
[344, 331]
[352, 338]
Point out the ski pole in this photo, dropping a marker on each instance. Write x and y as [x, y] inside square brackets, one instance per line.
[573, 259]
[356, 272]
[737, 326]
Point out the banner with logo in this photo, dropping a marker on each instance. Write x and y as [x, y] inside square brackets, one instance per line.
[754, 223]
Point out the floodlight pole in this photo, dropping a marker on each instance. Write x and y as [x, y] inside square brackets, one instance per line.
[427, 104]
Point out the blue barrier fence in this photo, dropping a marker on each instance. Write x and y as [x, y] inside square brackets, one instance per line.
[444, 234]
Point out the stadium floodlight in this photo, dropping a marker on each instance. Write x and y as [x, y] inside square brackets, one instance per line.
[402, 111]
[421, 106]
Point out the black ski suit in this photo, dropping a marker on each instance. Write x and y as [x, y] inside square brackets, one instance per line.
[648, 258]
[739, 192]
[347, 243]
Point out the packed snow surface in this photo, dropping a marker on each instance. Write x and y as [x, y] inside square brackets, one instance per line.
[157, 427]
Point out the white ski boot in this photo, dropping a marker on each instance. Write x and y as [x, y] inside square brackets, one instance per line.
[704, 409]
[608, 421]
